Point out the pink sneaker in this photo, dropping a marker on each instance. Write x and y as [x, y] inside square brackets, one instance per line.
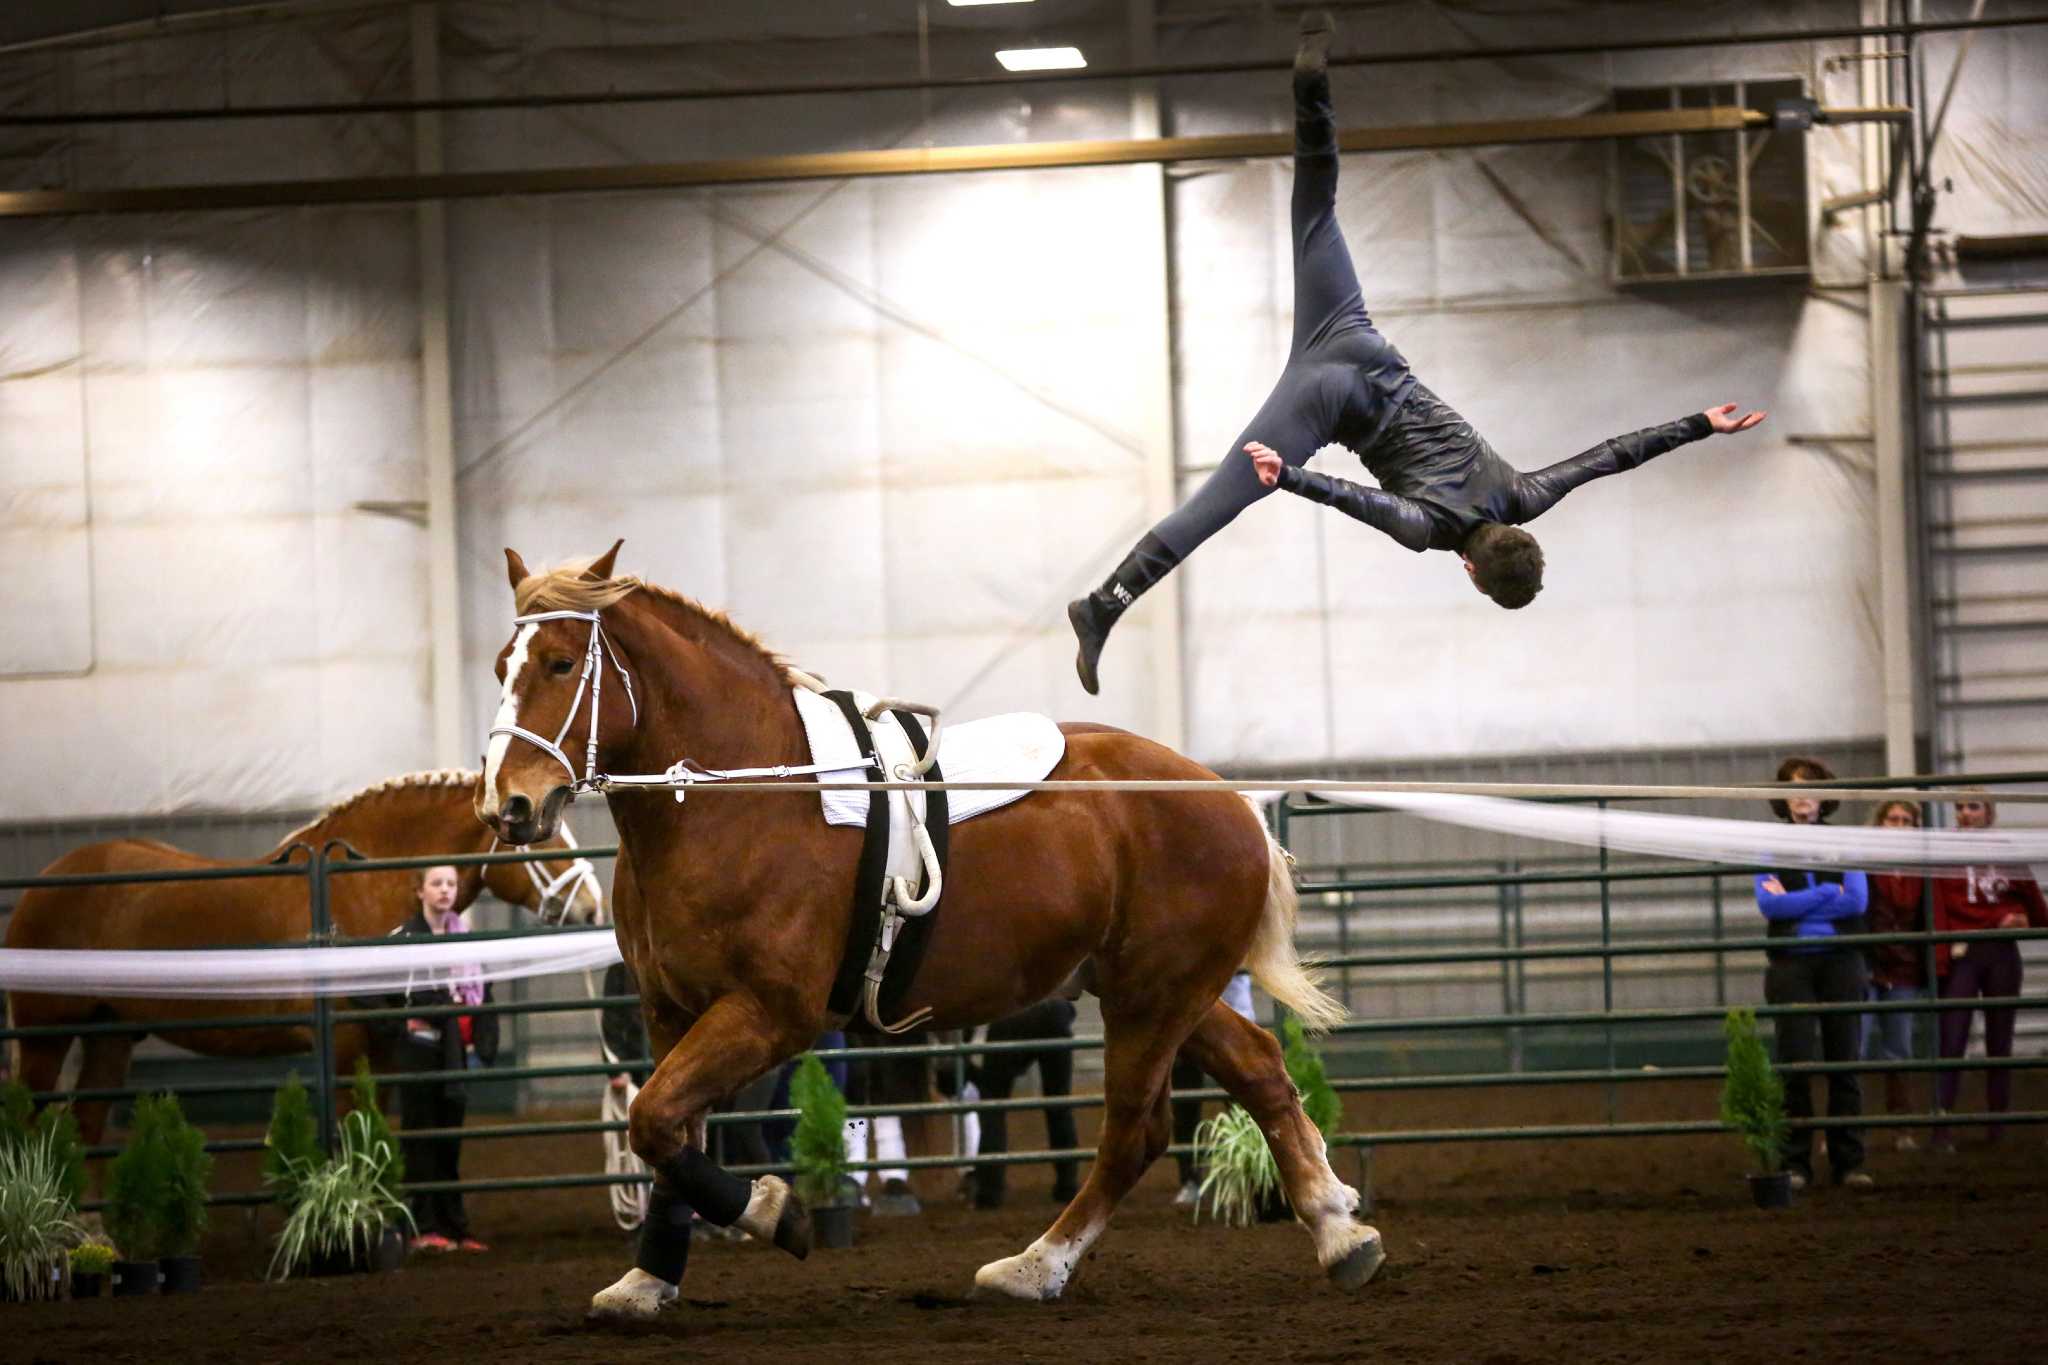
[470, 1244]
[432, 1241]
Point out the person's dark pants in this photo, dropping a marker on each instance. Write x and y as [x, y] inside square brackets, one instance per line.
[997, 1077]
[1333, 337]
[743, 1144]
[434, 1106]
[1831, 976]
[1986, 969]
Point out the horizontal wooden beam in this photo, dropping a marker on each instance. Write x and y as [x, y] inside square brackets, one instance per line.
[901, 161]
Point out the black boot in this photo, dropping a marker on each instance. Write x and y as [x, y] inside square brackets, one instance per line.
[1092, 616]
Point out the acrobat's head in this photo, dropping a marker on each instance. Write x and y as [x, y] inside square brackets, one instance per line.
[1506, 564]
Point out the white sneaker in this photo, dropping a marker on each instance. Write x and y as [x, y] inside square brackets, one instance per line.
[1189, 1196]
[1859, 1181]
[1798, 1181]
[1906, 1143]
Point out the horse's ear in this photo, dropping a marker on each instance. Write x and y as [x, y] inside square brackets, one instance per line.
[515, 568]
[601, 568]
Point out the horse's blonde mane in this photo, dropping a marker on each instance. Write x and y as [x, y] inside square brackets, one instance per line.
[566, 587]
[433, 777]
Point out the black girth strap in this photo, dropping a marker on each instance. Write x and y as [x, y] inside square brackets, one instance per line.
[910, 943]
[867, 879]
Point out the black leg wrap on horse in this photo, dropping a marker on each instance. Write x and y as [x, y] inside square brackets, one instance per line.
[711, 1190]
[665, 1235]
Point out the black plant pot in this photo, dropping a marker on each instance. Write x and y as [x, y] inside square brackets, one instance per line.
[1274, 1208]
[181, 1274]
[390, 1251]
[832, 1225]
[1772, 1191]
[345, 1262]
[86, 1286]
[135, 1277]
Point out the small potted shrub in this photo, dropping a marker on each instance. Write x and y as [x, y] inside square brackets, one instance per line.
[36, 1218]
[1239, 1175]
[181, 1209]
[1753, 1104]
[818, 1151]
[91, 1262]
[291, 1146]
[137, 1181]
[343, 1206]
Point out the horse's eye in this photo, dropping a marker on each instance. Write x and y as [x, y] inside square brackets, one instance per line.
[561, 667]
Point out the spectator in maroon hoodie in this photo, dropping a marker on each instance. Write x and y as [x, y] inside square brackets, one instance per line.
[1984, 897]
[1897, 972]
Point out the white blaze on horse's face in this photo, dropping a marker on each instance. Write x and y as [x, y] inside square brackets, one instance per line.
[508, 714]
[524, 787]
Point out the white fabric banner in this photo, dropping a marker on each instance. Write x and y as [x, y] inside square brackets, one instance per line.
[1742, 843]
[367, 969]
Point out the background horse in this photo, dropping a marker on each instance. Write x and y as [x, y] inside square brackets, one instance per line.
[738, 909]
[419, 813]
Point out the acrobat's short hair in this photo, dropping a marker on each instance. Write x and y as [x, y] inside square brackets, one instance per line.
[1507, 564]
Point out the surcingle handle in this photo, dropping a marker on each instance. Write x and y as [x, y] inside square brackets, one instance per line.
[878, 965]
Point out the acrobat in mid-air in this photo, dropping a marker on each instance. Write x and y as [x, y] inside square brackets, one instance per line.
[1441, 486]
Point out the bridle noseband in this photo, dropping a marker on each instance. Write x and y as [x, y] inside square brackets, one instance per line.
[592, 681]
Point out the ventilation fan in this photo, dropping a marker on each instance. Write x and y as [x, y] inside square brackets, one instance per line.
[1689, 206]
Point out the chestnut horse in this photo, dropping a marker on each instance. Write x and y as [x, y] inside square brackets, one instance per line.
[420, 813]
[738, 903]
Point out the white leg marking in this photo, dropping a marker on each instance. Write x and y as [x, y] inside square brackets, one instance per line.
[508, 712]
[764, 1208]
[637, 1297]
[1040, 1272]
[1348, 1251]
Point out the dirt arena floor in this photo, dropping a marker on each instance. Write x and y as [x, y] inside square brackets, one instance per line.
[1595, 1251]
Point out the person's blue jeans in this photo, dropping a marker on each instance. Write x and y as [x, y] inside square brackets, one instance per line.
[1889, 1037]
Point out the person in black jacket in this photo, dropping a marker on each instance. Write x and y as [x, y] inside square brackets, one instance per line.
[440, 1042]
[1441, 486]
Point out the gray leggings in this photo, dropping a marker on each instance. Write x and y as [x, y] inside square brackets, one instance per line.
[1334, 342]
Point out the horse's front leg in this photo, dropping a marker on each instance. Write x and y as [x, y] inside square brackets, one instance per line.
[732, 1042]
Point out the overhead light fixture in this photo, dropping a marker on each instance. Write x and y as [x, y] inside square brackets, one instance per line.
[1041, 58]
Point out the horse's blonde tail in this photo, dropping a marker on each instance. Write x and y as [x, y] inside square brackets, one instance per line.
[1292, 981]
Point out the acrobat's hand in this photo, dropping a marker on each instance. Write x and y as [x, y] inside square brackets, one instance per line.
[1266, 460]
[1725, 421]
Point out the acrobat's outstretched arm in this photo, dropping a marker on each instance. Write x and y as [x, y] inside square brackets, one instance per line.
[1402, 518]
[1537, 493]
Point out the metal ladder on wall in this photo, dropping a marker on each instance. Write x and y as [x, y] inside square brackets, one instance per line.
[1983, 499]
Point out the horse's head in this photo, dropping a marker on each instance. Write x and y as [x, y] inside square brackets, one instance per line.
[556, 890]
[566, 689]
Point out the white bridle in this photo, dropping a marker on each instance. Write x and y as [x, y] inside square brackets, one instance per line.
[592, 682]
[558, 891]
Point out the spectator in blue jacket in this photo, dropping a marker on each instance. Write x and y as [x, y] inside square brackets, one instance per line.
[1808, 911]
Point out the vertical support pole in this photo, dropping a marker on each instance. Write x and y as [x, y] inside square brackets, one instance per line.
[1607, 969]
[1894, 569]
[437, 423]
[1151, 376]
[1503, 894]
[1720, 954]
[322, 935]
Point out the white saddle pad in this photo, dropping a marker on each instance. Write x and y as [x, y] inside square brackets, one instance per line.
[1020, 747]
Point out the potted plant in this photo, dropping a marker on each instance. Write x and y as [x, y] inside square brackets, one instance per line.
[818, 1151]
[137, 1180]
[19, 1123]
[1753, 1104]
[181, 1208]
[389, 1253]
[291, 1146]
[1239, 1174]
[36, 1218]
[90, 1264]
[343, 1206]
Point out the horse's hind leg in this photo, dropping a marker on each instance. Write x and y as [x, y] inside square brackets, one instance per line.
[1246, 1061]
[40, 1062]
[1136, 1059]
[103, 1067]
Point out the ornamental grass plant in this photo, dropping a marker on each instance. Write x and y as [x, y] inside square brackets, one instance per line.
[37, 1222]
[1238, 1170]
[344, 1205]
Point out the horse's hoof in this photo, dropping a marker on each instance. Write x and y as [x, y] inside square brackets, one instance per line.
[793, 1228]
[1360, 1264]
[637, 1297]
[1022, 1278]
